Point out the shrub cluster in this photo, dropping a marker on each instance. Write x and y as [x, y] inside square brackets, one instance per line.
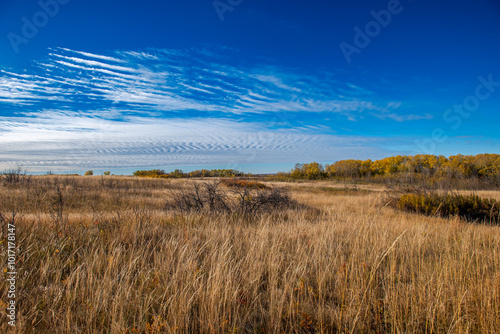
[15, 176]
[470, 207]
[243, 198]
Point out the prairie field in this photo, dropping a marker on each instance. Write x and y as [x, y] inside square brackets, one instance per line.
[113, 255]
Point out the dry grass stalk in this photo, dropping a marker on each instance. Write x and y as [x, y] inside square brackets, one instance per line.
[122, 264]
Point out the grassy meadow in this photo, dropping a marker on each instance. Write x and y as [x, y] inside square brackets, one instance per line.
[113, 255]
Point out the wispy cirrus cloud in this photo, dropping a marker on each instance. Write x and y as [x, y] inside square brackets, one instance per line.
[27, 89]
[77, 110]
[93, 55]
[177, 81]
[403, 118]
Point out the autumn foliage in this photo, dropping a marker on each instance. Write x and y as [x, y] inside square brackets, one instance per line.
[481, 166]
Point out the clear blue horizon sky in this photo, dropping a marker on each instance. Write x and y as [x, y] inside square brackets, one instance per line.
[252, 85]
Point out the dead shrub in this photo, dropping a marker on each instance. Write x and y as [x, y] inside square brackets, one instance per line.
[16, 176]
[244, 198]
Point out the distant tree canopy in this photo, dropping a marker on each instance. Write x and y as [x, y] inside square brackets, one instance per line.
[159, 173]
[457, 166]
[481, 166]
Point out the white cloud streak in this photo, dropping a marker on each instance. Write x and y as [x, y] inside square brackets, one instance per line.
[64, 141]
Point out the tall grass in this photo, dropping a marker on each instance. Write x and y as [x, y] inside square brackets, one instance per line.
[115, 261]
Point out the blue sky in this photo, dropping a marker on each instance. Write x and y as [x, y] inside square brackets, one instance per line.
[252, 85]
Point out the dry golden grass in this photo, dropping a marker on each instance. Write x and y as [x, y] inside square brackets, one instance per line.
[113, 260]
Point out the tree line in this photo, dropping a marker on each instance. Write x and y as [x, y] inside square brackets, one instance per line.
[177, 173]
[453, 167]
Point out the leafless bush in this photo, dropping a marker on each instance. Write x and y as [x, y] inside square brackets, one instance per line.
[251, 200]
[205, 196]
[16, 176]
[58, 204]
[211, 197]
